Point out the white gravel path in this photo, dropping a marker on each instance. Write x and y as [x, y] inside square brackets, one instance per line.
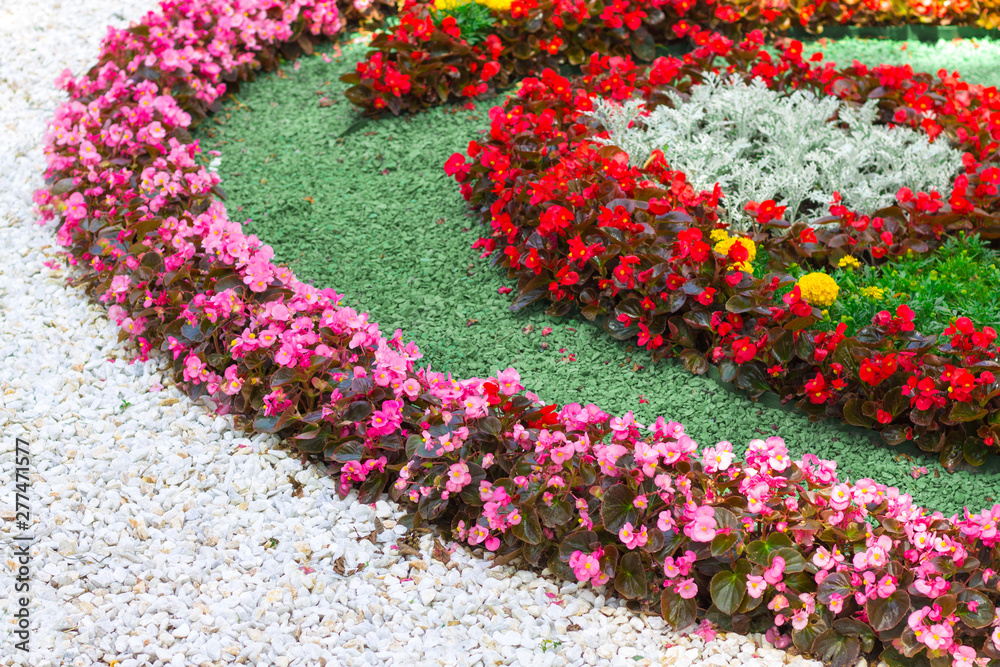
[164, 537]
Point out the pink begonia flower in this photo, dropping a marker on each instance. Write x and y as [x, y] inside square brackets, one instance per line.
[664, 483]
[640, 502]
[800, 619]
[669, 568]
[937, 636]
[509, 382]
[840, 497]
[705, 630]
[996, 638]
[560, 455]
[773, 574]
[964, 656]
[120, 284]
[822, 559]
[647, 457]
[477, 534]
[718, 458]
[755, 586]
[354, 471]
[778, 640]
[778, 459]
[233, 383]
[865, 491]
[458, 477]
[778, 602]
[475, 406]
[836, 603]
[631, 538]
[585, 566]
[702, 529]
[687, 589]
[665, 521]
[886, 586]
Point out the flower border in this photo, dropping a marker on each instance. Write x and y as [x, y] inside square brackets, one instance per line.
[423, 63]
[151, 241]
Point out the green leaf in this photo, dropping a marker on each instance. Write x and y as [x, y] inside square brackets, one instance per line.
[781, 344]
[837, 583]
[854, 416]
[886, 613]
[617, 508]
[558, 514]
[983, 616]
[722, 543]
[738, 303]
[352, 450]
[358, 411]
[372, 487]
[854, 628]
[794, 562]
[966, 412]
[894, 658]
[728, 589]
[804, 638]
[283, 376]
[529, 530]
[975, 451]
[491, 425]
[630, 580]
[758, 552]
[694, 361]
[431, 507]
[751, 378]
[524, 300]
[778, 541]
[677, 611]
[265, 424]
[578, 541]
[836, 649]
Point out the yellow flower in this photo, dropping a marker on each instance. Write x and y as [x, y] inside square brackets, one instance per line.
[722, 247]
[873, 293]
[847, 260]
[745, 267]
[718, 235]
[498, 5]
[818, 289]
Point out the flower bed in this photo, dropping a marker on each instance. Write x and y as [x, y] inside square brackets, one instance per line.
[837, 568]
[429, 60]
[586, 231]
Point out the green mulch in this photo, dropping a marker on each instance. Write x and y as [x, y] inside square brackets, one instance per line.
[365, 207]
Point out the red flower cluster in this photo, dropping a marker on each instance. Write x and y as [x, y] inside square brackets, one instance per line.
[631, 243]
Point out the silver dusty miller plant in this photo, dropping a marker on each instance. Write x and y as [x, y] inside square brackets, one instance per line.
[759, 144]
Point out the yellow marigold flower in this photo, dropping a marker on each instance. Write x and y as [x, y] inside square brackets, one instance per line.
[718, 235]
[818, 289]
[873, 293]
[847, 260]
[745, 267]
[722, 247]
[449, 4]
[497, 5]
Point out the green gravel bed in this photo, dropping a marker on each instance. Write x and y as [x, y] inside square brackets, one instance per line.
[364, 207]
